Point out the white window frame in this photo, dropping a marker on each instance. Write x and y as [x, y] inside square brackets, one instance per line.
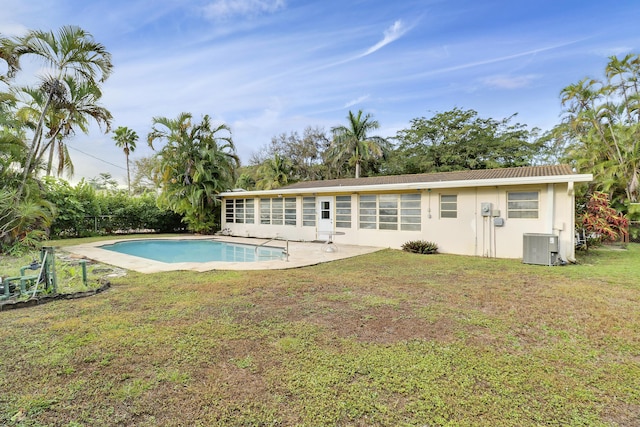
[343, 211]
[448, 206]
[393, 212]
[309, 211]
[523, 204]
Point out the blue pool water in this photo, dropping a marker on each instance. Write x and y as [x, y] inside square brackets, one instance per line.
[171, 251]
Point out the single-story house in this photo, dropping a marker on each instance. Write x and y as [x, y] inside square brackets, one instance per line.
[479, 212]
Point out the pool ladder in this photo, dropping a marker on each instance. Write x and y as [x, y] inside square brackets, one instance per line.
[285, 251]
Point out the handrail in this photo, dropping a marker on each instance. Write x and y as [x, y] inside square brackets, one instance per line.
[285, 252]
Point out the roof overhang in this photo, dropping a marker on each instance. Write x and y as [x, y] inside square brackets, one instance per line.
[415, 186]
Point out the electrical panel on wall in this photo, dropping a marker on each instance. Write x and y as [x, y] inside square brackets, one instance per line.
[485, 209]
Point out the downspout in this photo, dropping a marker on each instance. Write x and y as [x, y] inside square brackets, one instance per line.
[572, 234]
[550, 208]
[475, 219]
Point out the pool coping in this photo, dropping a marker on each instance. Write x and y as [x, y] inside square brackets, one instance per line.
[301, 254]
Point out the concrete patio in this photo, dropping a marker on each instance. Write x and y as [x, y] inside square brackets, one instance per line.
[301, 254]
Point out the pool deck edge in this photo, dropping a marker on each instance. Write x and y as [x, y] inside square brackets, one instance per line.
[301, 254]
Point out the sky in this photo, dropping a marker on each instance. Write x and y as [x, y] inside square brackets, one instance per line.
[268, 67]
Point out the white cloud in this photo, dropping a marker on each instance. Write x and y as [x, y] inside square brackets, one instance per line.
[356, 101]
[391, 34]
[509, 82]
[221, 9]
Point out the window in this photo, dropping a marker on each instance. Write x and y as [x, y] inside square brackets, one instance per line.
[448, 206]
[290, 211]
[522, 204]
[265, 211]
[368, 212]
[229, 211]
[249, 211]
[387, 211]
[410, 213]
[343, 211]
[325, 210]
[278, 211]
[239, 211]
[308, 211]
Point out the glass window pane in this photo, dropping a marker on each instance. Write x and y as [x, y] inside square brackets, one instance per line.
[522, 204]
[410, 227]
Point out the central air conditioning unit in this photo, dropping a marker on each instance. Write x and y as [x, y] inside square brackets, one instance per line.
[541, 249]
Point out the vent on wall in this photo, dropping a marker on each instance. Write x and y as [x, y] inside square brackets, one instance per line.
[541, 249]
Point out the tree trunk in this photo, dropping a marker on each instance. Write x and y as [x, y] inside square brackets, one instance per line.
[37, 135]
[128, 175]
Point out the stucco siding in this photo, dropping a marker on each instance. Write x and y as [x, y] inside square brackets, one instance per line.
[449, 216]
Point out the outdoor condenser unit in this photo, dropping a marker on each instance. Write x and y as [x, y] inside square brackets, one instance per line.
[541, 249]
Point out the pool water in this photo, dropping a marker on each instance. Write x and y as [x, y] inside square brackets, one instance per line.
[171, 251]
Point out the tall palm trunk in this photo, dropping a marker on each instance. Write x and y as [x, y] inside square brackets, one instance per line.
[32, 148]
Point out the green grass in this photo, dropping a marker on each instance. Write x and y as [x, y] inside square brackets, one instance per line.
[387, 339]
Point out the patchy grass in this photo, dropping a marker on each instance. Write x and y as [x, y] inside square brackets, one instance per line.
[387, 339]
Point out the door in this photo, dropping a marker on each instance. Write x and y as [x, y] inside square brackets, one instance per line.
[325, 217]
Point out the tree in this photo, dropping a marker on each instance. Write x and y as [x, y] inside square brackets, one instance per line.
[24, 222]
[9, 57]
[103, 182]
[351, 144]
[197, 162]
[71, 110]
[273, 173]
[145, 176]
[603, 118]
[245, 181]
[71, 54]
[126, 139]
[460, 140]
[303, 153]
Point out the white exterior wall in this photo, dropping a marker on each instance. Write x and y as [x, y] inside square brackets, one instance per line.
[468, 234]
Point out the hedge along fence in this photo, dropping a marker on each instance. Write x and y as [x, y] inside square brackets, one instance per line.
[634, 231]
[134, 217]
[82, 211]
[160, 222]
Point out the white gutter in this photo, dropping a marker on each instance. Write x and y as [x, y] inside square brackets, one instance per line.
[413, 186]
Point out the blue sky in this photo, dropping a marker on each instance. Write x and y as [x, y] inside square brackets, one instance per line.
[266, 67]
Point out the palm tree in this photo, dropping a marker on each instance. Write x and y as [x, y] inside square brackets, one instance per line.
[126, 139]
[603, 117]
[198, 161]
[72, 110]
[352, 144]
[273, 173]
[72, 53]
[8, 55]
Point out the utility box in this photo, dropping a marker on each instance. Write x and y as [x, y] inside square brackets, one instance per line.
[541, 249]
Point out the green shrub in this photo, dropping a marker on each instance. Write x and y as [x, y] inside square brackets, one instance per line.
[420, 247]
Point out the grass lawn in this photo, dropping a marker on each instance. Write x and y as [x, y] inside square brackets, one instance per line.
[387, 339]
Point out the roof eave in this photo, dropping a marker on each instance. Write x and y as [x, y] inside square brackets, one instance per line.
[554, 179]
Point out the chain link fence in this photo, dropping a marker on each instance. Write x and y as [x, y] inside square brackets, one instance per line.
[634, 231]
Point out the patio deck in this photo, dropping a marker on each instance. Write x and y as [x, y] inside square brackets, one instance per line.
[301, 254]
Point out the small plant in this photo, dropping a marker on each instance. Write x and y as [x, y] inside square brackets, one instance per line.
[420, 247]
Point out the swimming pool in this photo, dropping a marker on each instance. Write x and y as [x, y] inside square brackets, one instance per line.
[173, 251]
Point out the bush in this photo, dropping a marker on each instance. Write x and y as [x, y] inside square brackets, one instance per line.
[420, 247]
[603, 222]
[82, 211]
